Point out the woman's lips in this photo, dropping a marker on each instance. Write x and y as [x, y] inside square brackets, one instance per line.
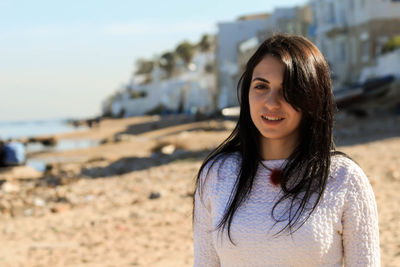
[272, 120]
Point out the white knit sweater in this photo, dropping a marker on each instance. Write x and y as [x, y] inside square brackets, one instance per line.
[342, 230]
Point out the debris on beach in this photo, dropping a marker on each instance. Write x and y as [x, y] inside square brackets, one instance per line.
[44, 140]
[154, 195]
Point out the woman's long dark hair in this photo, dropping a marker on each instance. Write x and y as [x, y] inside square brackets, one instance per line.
[307, 87]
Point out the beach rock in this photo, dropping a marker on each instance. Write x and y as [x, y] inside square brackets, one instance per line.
[29, 212]
[154, 195]
[107, 140]
[61, 199]
[5, 207]
[60, 207]
[123, 137]
[168, 150]
[59, 180]
[89, 198]
[38, 202]
[9, 187]
[136, 201]
[46, 141]
[394, 175]
[96, 159]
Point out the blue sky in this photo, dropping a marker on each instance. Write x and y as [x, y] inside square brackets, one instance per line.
[60, 59]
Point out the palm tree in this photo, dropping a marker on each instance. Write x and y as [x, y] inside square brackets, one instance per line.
[185, 50]
[167, 62]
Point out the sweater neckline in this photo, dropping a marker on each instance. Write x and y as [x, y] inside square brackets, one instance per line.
[274, 162]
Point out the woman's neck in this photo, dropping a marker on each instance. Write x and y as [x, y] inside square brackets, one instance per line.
[276, 149]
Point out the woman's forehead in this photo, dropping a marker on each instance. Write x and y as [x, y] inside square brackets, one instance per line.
[269, 66]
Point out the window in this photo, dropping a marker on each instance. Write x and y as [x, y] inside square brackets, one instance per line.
[364, 50]
[331, 13]
[342, 51]
[351, 5]
[314, 17]
[354, 52]
[343, 19]
[382, 40]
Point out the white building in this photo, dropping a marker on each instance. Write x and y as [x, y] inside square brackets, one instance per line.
[292, 20]
[387, 64]
[351, 33]
[238, 40]
[230, 34]
[188, 92]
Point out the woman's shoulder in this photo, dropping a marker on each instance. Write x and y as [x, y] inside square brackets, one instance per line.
[216, 171]
[346, 171]
[222, 165]
[343, 163]
[224, 160]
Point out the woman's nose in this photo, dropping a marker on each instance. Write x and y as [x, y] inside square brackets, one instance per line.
[273, 100]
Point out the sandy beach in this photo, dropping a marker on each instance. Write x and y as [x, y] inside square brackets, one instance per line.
[128, 201]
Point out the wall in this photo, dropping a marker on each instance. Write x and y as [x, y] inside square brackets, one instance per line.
[386, 64]
[230, 34]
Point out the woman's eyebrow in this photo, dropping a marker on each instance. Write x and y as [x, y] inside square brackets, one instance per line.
[261, 79]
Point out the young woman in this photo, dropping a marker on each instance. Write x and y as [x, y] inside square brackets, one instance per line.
[275, 192]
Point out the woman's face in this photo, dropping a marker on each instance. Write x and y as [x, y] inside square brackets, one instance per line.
[275, 119]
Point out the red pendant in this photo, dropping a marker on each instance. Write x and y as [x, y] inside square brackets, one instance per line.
[276, 176]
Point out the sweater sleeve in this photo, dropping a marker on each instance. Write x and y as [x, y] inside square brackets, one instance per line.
[360, 222]
[204, 250]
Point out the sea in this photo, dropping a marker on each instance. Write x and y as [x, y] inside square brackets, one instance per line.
[19, 129]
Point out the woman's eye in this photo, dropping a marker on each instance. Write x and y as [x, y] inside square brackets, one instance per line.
[260, 86]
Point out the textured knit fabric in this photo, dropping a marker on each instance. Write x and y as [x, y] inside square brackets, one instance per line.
[342, 230]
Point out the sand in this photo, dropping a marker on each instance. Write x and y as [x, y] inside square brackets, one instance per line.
[128, 202]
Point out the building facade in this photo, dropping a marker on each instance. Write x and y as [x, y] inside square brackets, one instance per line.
[189, 92]
[230, 34]
[293, 20]
[351, 33]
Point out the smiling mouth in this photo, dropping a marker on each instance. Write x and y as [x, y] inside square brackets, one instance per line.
[269, 118]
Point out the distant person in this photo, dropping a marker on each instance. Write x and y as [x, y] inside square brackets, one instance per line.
[97, 121]
[276, 192]
[2, 153]
[12, 154]
[93, 122]
[89, 123]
